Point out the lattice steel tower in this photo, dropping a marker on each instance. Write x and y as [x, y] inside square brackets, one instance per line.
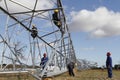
[29, 31]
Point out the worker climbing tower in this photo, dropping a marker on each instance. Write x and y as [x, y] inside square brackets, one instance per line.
[30, 29]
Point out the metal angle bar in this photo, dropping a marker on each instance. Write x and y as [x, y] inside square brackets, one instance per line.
[11, 49]
[60, 5]
[25, 19]
[20, 4]
[9, 58]
[14, 18]
[56, 37]
[35, 76]
[6, 4]
[58, 40]
[39, 51]
[54, 41]
[70, 49]
[49, 33]
[34, 11]
[41, 15]
[29, 30]
[29, 18]
[50, 46]
[53, 1]
[63, 45]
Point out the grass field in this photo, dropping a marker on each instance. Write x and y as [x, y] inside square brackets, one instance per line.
[80, 75]
[19, 76]
[90, 75]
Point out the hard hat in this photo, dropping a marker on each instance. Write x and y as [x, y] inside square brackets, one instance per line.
[108, 53]
[56, 10]
[44, 54]
[33, 25]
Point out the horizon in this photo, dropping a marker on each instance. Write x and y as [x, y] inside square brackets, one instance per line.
[94, 26]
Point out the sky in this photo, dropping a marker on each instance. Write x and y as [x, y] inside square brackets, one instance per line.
[94, 27]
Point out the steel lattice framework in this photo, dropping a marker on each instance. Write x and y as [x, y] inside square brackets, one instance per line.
[21, 52]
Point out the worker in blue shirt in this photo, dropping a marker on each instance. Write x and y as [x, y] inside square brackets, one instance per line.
[44, 60]
[109, 65]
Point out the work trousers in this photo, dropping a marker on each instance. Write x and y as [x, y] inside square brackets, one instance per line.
[71, 73]
[109, 72]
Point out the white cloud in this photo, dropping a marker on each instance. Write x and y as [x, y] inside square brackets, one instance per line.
[100, 23]
[42, 4]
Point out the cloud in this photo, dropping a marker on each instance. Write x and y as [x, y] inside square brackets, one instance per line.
[13, 7]
[99, 23]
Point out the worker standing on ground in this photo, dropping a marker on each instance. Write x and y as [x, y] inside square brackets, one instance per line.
[70, 67]
[44, 60]
[109, 64]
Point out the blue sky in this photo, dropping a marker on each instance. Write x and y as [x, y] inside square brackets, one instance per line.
[95, 48]
[94, 27]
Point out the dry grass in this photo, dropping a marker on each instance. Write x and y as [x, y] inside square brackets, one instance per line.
[89, 75]
[80, 75]
[19, 76]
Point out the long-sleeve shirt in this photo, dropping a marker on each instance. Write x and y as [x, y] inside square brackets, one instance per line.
[55, 16]
[44, 60]
[70, 65]
[109, 62]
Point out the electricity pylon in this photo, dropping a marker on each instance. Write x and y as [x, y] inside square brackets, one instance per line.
[22, 47]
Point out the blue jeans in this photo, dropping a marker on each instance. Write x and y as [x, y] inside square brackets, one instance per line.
[110, 72]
